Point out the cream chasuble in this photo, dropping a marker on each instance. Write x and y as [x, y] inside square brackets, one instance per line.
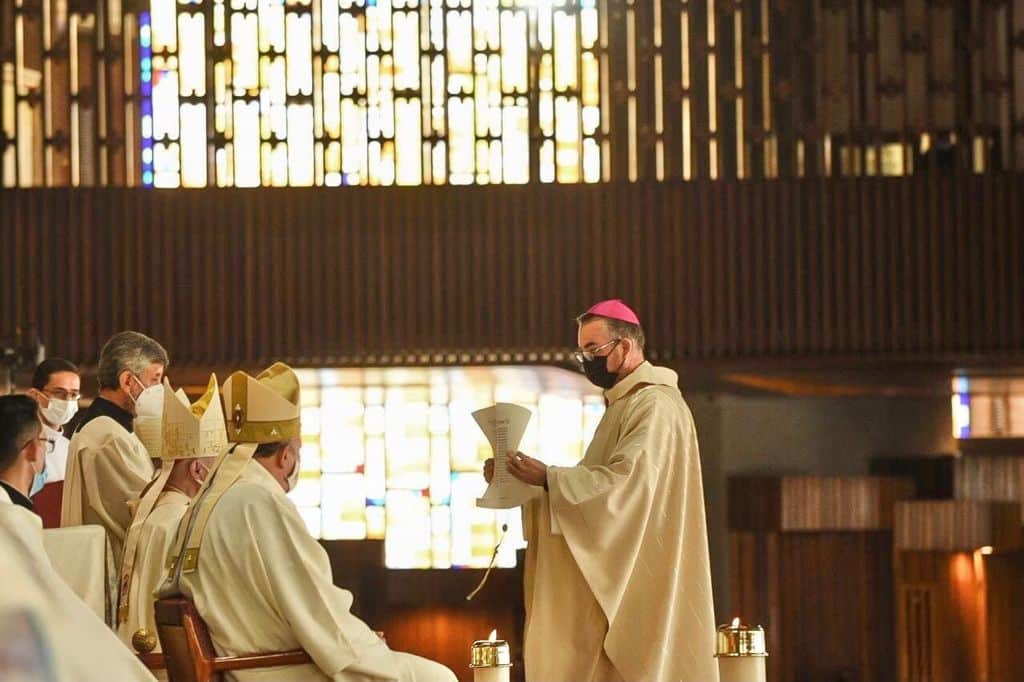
[264, 584]
[107, 468]
[84, 648]
[156, 538]
[621, 590]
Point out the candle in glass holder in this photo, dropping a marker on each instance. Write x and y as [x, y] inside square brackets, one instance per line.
[740, 650]
[490, 659]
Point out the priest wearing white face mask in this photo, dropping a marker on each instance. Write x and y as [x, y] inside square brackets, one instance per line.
[108, 466]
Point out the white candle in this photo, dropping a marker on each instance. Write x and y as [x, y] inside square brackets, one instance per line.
[490, 660]
[740, 669]
[740, 651]
[495, 674]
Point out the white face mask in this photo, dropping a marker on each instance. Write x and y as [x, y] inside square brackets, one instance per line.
[59, 412]
[293, 477]
[150, 402]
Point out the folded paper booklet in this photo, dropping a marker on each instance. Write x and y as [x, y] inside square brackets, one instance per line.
[504, 425]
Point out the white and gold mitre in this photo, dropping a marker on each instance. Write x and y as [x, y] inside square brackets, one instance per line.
[149, 430]
[195, 430]
[183, 431]
[264, 409]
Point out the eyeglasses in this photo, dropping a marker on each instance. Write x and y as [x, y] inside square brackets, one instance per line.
[51, 444]
[588, 355]
[62, 394]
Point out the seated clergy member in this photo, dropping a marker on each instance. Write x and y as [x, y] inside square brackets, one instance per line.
[84, 648]
[256, 575]
[187, 439]
[107, 464]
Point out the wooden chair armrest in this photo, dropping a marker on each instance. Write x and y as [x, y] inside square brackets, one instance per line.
[296, 657]
[153, 661]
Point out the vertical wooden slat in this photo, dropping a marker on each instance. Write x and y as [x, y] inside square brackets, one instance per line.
[820, 268]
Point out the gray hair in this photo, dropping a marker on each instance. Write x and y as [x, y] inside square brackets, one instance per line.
[617, 328]
[130, 351]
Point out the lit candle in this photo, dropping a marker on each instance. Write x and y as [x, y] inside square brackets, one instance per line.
[740, 650]
[490, 659]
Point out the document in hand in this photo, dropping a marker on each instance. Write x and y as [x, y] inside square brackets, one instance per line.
[504, 425]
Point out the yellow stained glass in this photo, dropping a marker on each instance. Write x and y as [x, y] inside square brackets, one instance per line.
[474, 531]
[560, 429]
[407, 539]
[344, 507]
[245, 52]
[192, 55]
[193, 145]
[166, 118]
[312, 459]
[402, 451]
[310, 420]
[386, 92]
[441, 537]
[376, 522]
[566, 52]
[311, 516]
[163, 27]
[166, 164]
[247, 144]
[299, 55]
[300, 145]
[307, 492]
[440, 469]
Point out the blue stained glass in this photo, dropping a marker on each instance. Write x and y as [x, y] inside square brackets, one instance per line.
[146, 99]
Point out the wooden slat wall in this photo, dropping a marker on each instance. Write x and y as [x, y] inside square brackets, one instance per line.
[957, 525]
[957, 616]
[1005, 603]
[989, 478]
[825, 600]
[815, 503]
[919, 268]
[941, 625]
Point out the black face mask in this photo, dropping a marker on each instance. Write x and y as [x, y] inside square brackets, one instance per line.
[597, 371]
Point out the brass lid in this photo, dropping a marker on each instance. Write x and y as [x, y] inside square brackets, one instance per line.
[737, 639]
[490, 654]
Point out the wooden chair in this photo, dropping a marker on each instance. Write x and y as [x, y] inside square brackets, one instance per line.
[188, 649]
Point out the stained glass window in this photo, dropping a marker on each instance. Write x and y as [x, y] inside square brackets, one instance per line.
[396, 455]
[369, 92]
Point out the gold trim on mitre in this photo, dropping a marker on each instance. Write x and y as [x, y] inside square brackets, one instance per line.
[195, 430]
[149, 430]
[264, 409]
[186, 431]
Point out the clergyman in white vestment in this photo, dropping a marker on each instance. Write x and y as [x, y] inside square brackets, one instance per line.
[107, 465]
[617, 577]
[257, 577]
[82, 647]
[188, 439]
